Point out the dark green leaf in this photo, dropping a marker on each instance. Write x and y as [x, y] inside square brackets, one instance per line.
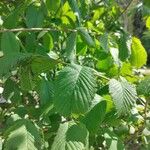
[94, 117]
[34, 16]
[11, 61]
[53, 5]
[74, 90]
[45, 91]
[70, 50]
[9, 43]
[123, 48]
[42, 64]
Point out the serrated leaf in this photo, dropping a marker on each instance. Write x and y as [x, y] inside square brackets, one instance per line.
[138, 53]
[71, 136]
[70, 50]
[143, 87]
[45, 90]
[94, 117]
[86, 37]
[25, 78]
[23, 135]
[124, 95]
[9, 43]
[75, 89]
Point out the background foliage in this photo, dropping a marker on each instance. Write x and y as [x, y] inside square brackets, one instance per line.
[71, 77]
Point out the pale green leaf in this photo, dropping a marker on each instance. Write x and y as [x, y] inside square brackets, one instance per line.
[138, 53]
[124, 95]
[148, 23]
[104, 41]
[75, 89]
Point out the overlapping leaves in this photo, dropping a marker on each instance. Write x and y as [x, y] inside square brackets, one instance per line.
[23, 135]
[71, 136]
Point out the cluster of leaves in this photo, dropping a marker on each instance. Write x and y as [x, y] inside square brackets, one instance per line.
[70, 77]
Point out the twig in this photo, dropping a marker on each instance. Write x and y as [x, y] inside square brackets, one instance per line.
[36, 29]
[100, 75]
[126, 8]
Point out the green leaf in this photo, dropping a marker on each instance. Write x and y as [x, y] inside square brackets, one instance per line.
[148, 23]
[45, 90]
[48, 42]
[31, 42]
[34, 17]
[74, 6]
[70, 50]
[123, 48]
[138, 53]
[124, 95]
[11, 61]
[42, 64]
[23, 135]
[75, 89]
[9, 43]
[26, 78]
[85, 36]
[12, 19]
[104, 42]
[53, 5]
[94, 117]
[71, 136]
[105, 64]
[12, 92]
[143, 87]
